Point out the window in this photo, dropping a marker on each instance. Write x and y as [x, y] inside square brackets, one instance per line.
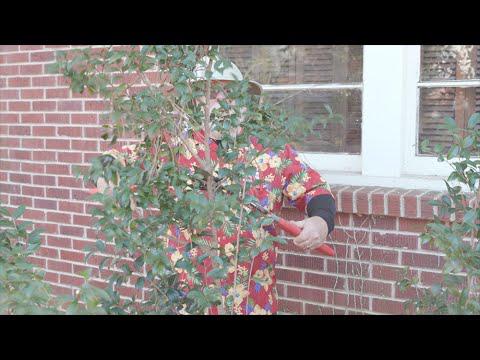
[390, 96]
[312, 80]
[441, 65]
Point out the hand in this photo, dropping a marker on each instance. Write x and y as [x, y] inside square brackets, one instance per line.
[314, 233]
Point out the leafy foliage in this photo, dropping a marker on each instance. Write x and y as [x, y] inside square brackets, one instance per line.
[458, 293]
[153, 97]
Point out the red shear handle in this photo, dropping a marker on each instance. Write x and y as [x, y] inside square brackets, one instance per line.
[294, 230]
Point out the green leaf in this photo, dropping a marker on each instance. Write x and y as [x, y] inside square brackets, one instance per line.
[449, 123]
[18, 212]
[473, 121]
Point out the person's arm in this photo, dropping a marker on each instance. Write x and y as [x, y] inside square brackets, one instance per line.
[310, 193]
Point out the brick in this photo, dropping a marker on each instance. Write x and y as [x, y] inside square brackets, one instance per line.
[32, 118]
[61, 290]
[95, 106]
[10, 188]
[59, 242]
[324, 281]
[69, 182]
[20, 178]
[422, 260]
[39, 262]
[69, 105]
[16, 58]
[44, 180]
[48, 252]
[45, 81]
[57, 118]
[59, 266]
[387, 306]
[32, 214]
[91, 132]
[71, 280]
[45, 204]
[31, 69]
[410, 203]
[311, 309]
[44, 105]
[370, 287]
[19, 82]
[9, 165]
[395, 240]
[31, 47]
[347, 199]
[71, 207]
[8, 48]
[288, 275]
[74, 256]
[8, 70]
[426, 210]
[348, 300]
[63, 218]
[88, 157]
[70, 131]
[33, 143]
[9, 94]
[9, 118]
[57, 144]
[58, 169]
[304, 262]
[361, 199]
[86, 145]
[350, 268]
[44, 131]
[51, 277]
[376, 255]
[289, 306]
[302, 293]
[58, 193]
[33, 167]
[32, 94]
[63, 93]
[72, 231]
[20, 200]
[19, 106]
[44, 155]
[42, 56]
[68, 157]
[412, 225]
[33, 191]
[84, 119]
[19, 130]
[80, 195]
[20, 154]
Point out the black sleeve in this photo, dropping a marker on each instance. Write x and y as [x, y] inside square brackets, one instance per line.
[323, 206]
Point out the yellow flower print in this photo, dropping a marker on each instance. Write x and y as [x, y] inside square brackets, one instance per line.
[242, 270]
[262, 162]
[229, 249]
[193, 252]
[270, 178]
[259, 235]
[295, 190]
[275, 162]
[265, 256]
[239, 293]
[191, 144]
[176, 256]
[237, 309]
[263, 277]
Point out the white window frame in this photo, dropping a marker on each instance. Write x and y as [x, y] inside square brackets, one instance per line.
[390, 105]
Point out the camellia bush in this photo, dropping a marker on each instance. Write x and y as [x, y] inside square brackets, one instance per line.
[458, 293]
[154, 101]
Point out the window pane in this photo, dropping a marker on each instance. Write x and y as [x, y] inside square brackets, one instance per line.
[450, 62]
[340, 134]
[298, 64]
[437, 103]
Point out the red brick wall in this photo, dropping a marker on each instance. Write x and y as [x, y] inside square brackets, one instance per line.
[45, 130]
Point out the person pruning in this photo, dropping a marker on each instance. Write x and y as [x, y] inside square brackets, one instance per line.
[253, 284]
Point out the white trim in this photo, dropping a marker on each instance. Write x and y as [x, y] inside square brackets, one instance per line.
[333, 86]
[383, 73]
[449, 83]
[331, 161]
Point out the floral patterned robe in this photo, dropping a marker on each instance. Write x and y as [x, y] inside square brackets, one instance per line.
[286, 180]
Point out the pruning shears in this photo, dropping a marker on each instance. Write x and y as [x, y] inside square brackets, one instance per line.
[282, 223]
